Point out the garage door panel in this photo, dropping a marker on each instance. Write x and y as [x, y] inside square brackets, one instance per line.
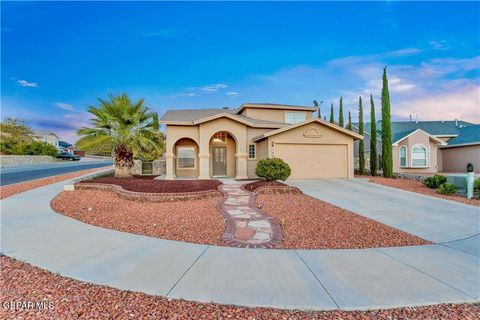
[313, 161]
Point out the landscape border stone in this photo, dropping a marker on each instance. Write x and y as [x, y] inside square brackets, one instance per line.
[147, 197]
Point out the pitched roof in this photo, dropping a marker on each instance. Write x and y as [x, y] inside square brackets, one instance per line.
[396, 138]
[436, 128]
[401, 135]
[193, 116]
[275, 106]
[299, 124]
[64, 144]
[468, 135]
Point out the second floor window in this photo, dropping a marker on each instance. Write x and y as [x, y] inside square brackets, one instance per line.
[294, 117]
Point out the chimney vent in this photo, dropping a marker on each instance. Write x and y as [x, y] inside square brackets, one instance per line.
[456, 123]
[410, 118]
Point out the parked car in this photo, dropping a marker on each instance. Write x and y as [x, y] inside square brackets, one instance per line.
[68, 156]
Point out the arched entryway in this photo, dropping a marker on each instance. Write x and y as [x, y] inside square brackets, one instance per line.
[186, 162]
[223, 148]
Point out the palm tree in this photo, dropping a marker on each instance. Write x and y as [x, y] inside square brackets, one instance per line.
[127, 127]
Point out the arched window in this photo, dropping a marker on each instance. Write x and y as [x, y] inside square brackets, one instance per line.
[419, 156]
[403, 156]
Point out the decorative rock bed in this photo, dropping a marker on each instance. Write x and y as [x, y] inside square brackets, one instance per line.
[139, 188]
[148, 197]
[266, 187]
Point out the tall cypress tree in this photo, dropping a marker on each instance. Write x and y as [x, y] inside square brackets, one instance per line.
[332, 118]
[373, 139]
[316, 105]
[340, 113]
[361, 144]
[349, 123]
[387, 160]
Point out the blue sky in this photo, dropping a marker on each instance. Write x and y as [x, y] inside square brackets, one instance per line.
[58, 57]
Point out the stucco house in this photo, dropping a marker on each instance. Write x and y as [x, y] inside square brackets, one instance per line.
[206, 143]
[428, 146]
[45, 136]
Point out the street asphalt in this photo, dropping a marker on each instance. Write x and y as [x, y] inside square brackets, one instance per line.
[16, 174]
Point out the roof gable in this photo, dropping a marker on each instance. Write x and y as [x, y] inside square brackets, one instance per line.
[403, 135]
[296, 125]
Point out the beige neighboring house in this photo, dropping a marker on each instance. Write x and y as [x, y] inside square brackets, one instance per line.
[207, 143]
[45, 136]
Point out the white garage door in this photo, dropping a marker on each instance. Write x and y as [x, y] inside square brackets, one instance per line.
[313, 161]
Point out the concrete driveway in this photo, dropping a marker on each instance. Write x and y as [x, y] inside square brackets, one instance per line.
[430, 218]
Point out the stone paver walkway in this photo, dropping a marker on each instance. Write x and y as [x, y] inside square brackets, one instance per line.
[246, 225]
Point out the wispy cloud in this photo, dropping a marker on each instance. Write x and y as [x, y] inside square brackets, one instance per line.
[231, 93]
[439, 45]
[214, 88]
[25, 83]
[166, 33]
[64, 106]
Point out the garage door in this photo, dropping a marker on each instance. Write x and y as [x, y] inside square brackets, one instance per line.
[311, 161]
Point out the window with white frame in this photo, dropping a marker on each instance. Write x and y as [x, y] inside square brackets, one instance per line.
[251, 151]
[419, 156]
[403, 156]
[294, 117]
[186, 157]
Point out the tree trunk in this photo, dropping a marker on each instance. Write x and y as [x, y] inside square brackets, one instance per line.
[122, 172]
[123, 162]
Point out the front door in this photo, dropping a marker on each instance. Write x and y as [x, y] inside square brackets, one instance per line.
[219, 161]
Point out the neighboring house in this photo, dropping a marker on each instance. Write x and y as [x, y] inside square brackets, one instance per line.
[206, 143]
[461, 150]
[66, 147]
[428, 146]
[45, 136]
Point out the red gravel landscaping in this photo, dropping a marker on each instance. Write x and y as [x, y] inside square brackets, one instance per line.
[150, 185]
[196, 221]
[419, 187]
[73, 299]
[252, 186]
[13, 189]
[309, 223]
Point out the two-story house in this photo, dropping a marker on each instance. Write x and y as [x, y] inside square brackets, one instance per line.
[206, 143]
[45, 136]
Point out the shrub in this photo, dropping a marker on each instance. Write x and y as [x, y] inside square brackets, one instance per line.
[272, 169]
[35, 148]
[476, 185]
[435, 181]
[447, 188]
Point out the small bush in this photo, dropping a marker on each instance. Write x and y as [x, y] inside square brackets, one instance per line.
[447, 188]
[476, 185]
[35, 148]
[272, 169]
[435, 181]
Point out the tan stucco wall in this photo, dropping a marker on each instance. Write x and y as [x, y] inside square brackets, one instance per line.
[271, 114]
[261, 149]
[238, 131]
[414, 139]
[326, 136]
[456, 159]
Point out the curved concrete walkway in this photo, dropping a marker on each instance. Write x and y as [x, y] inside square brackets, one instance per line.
[294, 279]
